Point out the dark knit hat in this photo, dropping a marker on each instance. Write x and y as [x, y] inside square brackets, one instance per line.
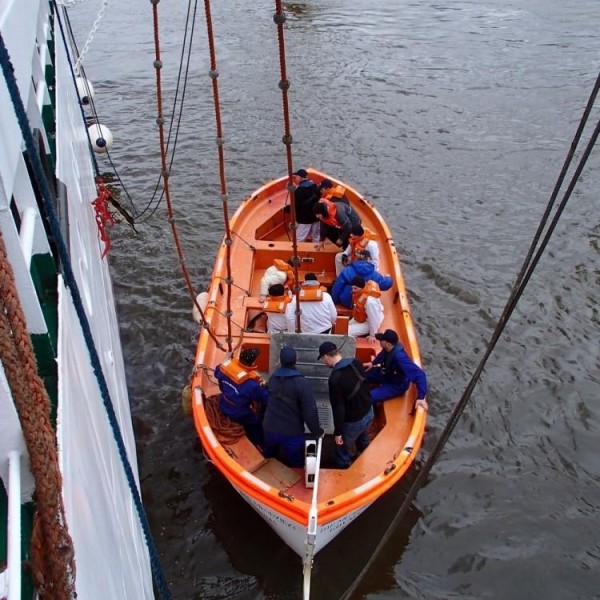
[326, 184]
[358, 281]
[287, 356]
[276, 289]
[310, 277]
[248, 356]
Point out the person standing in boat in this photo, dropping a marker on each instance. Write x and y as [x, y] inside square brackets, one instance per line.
[337, 219]
[275, 306]
[392, 370]
[306, 195]
[318, 312]
[242, 389]
[291, 405]
[341, 291]
[351, 404]
[280, 271]
[367, 310]
[360, 239]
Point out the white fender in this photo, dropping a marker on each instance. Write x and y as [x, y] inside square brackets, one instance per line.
[85, 90]
[100, 137]
[202, 300]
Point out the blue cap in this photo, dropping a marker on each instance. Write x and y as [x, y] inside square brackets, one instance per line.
[287, 356]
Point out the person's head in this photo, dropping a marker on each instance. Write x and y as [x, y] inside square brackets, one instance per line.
[248, 356]
[276, 290]
[388, 339]
[310, 279]
[301, 173]
[320, 210]
[326, 184]
[329, 354]
[287, 357]
[357, 283]
[363, 255]
[357, 231]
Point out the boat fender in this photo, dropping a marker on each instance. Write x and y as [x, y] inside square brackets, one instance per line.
[100, 137]
[202, 300]
[186, 400]
[85, 90]
[310, 463]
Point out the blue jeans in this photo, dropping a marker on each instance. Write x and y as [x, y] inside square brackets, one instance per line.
[289, 449]
[387, 388]
[354, 434]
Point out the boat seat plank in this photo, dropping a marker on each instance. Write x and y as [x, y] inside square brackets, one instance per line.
[246, 454]
[276, 474]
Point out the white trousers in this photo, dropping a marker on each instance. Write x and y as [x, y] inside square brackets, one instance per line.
[306, 229]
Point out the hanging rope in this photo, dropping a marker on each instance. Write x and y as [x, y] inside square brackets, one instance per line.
[49, 203]
[522, 280]
[284, 85]
[54, 564]
[165, 172]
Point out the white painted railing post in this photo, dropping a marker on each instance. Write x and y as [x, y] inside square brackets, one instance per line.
[26, 233]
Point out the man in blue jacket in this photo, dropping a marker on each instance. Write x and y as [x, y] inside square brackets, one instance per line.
[341, 292]
[394, 371]
[291, 405]
[242, 390]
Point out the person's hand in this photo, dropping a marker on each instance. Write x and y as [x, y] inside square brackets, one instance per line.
[262, 298]
[339, 242]
[422, 402]
[339, 440]
[320, 246]
[371, 339]
[368, 366]
[344, 259]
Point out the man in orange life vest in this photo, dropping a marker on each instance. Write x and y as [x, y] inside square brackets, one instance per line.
[360, 239]
[241, 386]
[318, 310]
[367, 310]
[275, 306]
[337, 219]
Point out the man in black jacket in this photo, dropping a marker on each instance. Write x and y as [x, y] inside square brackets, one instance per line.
[291, 404]
[306, 195]
[350, 402]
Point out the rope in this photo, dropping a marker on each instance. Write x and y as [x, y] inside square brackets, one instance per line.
[165, 172]
[226, 431]
[48, 202]
[523, 278]
[214, 75]
[54, 564]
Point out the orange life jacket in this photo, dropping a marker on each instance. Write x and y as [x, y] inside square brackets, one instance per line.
[311, 293]
[337, 192]
[276, 304]
[360, 243]
[238, 372]
[359, 300]
[288, 270]
[331, 218]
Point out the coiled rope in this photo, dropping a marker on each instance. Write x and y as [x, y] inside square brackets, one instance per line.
[529, 265]
[48, 202]
[53, 562]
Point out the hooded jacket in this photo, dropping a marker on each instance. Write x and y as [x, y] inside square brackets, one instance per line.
[341, 292]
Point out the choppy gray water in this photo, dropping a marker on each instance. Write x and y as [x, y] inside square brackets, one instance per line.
[455, 118]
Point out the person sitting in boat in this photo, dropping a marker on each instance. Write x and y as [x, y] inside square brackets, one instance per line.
[341, 291]
[392, 370]
[337, 219]
[367, 310]
[306, 195]
[318, 313]
[280, 271]
[275, 305]
[291, 405]
[351, 404]
[333, 193]
[241, 390]
[360, 239]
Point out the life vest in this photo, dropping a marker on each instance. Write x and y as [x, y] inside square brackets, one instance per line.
[359, 300]
[288, 270]
[237, 372]
[337, 192]
[276, 304]
[311, 293]
[331, 218]
[360, 243]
